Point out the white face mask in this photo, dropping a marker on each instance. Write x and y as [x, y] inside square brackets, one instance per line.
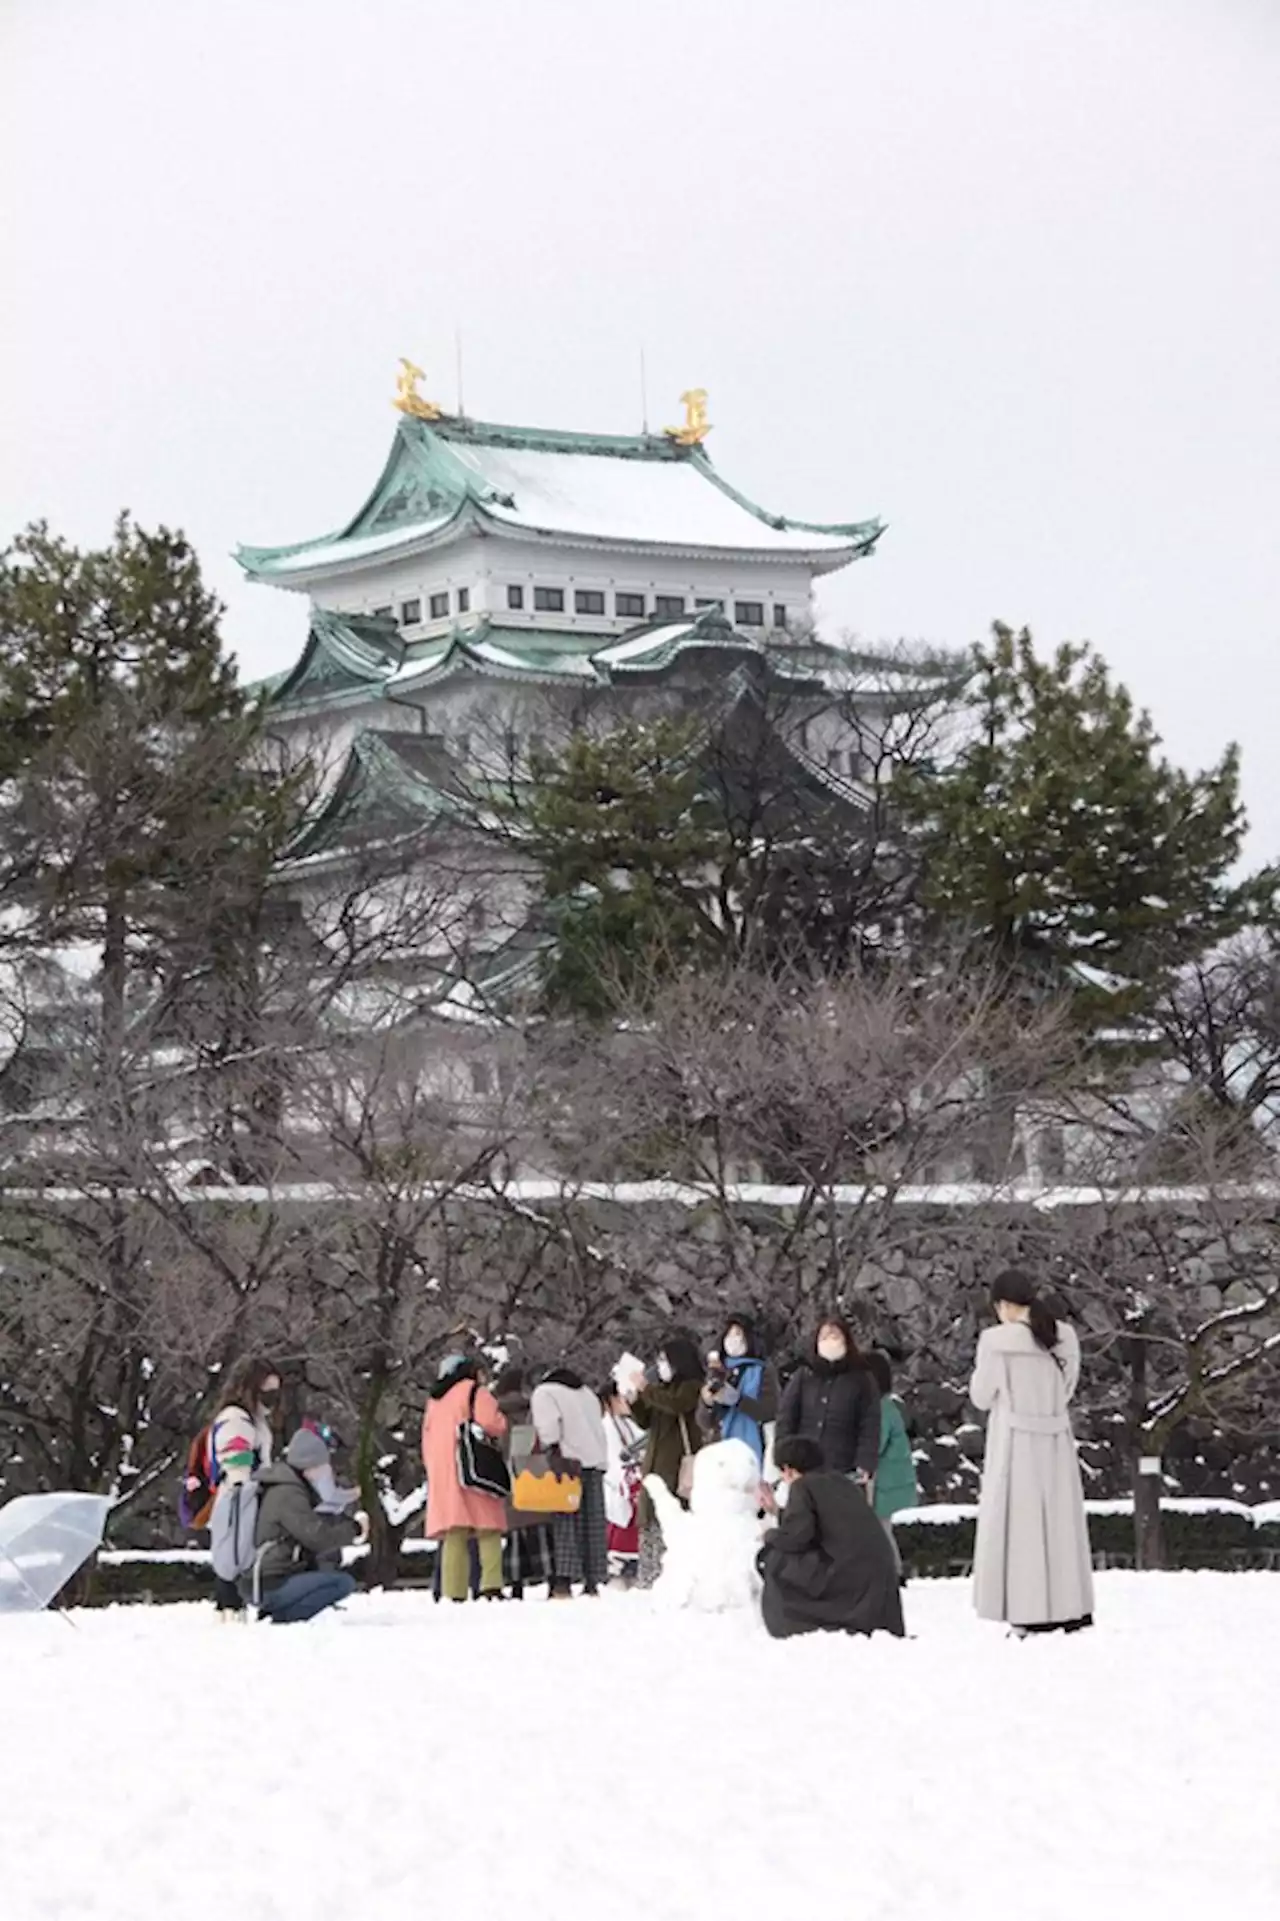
[832, 1348]
[735, 1344]
[664, 1368]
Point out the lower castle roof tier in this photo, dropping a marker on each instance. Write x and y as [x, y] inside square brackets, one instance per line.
[447, 478]
[352, 659]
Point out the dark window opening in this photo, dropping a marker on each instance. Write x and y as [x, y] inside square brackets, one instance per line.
[749, 613]
[439, 606]
[629, 606]
[548, 600]
[587, 601]
[410, 613]
[515, 596]
[384, 613]
[464, 600]
[779, 616]
[668, 606]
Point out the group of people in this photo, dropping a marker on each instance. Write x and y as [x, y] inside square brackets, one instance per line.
[830, 1466]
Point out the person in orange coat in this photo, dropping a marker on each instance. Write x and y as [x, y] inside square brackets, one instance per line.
[457, 1515]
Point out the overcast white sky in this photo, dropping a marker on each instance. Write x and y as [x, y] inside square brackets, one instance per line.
[1007, 274]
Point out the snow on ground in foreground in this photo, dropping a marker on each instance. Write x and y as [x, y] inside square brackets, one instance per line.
[601, 1758]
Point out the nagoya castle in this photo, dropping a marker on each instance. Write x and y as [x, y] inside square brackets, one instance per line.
[501, 585]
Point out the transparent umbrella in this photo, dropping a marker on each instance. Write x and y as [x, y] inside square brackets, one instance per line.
[44, 1540]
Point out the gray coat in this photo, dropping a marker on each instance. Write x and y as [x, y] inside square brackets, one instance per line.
[292, 1537]
[1032, 1564]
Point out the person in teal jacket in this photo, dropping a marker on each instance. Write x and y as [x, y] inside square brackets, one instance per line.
[896, 1486]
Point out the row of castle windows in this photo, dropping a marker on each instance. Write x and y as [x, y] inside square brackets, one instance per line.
[589, 600]
[586, 600]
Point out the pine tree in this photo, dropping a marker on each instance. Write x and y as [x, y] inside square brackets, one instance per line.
[1061, 837]
[137, 832]
[627, 852]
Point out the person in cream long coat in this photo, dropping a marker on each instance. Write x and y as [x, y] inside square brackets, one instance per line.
[1032, 1565]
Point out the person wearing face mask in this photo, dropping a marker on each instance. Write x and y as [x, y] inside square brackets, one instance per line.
[300, 1571]
[666, 1409]
[740, 1395]
[241, 1444]
[833, 1399]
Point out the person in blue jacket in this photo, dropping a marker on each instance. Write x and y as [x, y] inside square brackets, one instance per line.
[741, 1392]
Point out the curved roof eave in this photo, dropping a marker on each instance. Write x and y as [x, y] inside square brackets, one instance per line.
[818, 560]
[349, 560]
[462, 659]
[860, 533]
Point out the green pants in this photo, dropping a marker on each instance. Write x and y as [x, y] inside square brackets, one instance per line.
[455, 1578]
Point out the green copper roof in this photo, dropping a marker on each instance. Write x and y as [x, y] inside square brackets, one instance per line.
[344, 654]
[396, 787]
[351, 659]
[614, 490]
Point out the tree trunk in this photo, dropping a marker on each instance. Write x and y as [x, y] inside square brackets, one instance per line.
[382, 1567]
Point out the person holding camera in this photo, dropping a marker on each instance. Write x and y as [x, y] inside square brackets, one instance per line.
[741, 1391]
[666, 1409]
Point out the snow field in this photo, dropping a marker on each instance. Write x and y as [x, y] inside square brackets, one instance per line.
[605, 1758]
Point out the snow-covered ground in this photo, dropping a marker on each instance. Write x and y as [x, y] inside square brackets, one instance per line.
[601, 1759]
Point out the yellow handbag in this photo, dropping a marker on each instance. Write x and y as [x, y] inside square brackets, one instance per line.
[537, 1490]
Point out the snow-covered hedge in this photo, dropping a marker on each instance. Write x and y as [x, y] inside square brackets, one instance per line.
[1197, 1533]
[934, 1540]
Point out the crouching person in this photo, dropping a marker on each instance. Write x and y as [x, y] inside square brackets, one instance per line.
[299, 1548]
[828, 1564]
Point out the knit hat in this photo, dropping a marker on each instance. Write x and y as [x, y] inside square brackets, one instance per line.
[306, 1450]
[450, 1365]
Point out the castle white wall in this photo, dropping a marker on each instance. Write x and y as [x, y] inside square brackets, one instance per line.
[484, 568]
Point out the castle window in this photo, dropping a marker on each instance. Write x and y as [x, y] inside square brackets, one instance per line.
[669, 606]
[629, 606]
[464, 600]
[384, 613]
[587, 601]
[548, 600]
[779, 616]
[410, 613]
[515, 596]
[749, 613]
[702, 605]
[439, 606]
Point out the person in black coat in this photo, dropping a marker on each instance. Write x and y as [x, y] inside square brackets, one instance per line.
[832, 1398]
[828, 1564]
